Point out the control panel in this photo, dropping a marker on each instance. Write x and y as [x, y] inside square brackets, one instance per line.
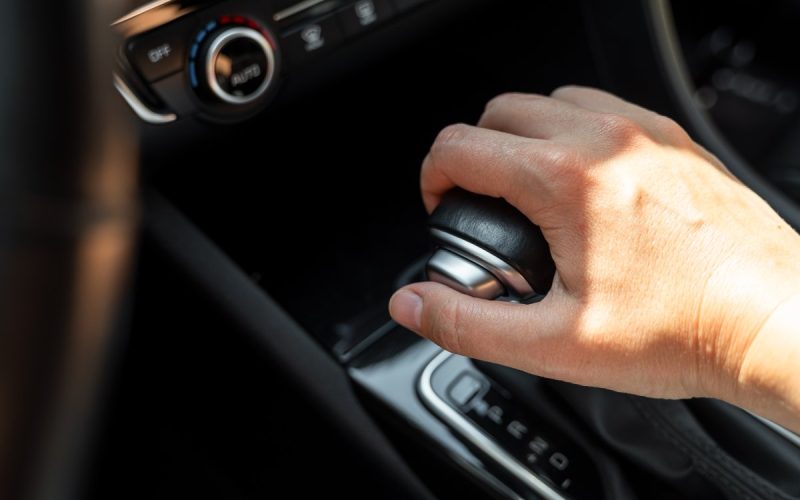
[525, 446]
[224, 61]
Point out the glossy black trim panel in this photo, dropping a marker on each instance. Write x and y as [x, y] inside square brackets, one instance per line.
[291, 349]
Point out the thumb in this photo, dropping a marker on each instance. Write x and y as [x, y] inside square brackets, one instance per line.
[478, 328]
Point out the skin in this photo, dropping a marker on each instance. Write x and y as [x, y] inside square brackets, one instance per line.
[673, 279]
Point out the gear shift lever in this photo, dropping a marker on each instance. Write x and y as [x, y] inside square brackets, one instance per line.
[488, 249]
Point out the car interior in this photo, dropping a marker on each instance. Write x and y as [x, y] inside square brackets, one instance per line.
[208, 204]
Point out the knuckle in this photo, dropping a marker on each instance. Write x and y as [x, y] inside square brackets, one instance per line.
[560, 160]
[447, 137]
[510, 101]
[450, 134]
[504, 99]
[665, 124]
[565, 91]
[619, 129]
[568, 172]
[668, 129]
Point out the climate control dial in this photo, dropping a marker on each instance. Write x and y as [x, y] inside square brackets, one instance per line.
[232, 61]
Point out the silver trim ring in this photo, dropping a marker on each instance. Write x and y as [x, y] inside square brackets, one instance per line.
[463, 275]
[515, 283]
[138, 107]
[475, 435]
[217, 45]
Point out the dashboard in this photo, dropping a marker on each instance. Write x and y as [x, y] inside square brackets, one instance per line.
[225, 61]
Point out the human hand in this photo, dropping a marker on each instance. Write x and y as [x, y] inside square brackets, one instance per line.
[672, 277]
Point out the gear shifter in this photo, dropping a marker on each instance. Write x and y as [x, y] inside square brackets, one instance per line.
[696, 448]
[488, 249]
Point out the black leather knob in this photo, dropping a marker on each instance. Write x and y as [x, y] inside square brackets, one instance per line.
[497, 228]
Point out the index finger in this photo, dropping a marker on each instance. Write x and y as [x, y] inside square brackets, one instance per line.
[491, 163]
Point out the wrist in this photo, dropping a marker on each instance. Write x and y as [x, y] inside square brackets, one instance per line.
[740, 303]
[769, 376]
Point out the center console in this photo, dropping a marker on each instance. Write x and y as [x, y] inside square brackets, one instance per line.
[396, 70]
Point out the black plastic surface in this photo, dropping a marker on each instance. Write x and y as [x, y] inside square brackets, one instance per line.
[159, 53]
[364, 15]
[253, 317]
[501, 229]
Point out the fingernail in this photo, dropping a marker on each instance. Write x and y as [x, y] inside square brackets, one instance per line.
[406, 308]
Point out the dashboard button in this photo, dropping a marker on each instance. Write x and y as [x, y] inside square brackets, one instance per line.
[364, 14]
[559, 461]
[157, 54]
[312, 39]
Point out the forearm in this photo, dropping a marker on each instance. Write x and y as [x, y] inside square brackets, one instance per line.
[770, 374]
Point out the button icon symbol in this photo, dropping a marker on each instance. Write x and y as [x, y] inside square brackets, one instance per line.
[312, 35]
[159, 53]
[365, 12]
[495, 414]
[480, 407]
[559, 461]
[538, 445]
[517, 429]
[245, 75]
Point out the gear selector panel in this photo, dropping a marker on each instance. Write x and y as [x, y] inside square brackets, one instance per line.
[487, 416]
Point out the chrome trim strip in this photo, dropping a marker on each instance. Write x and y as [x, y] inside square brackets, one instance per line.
[463, 275]
[214, 50]
[779, 429]
[295, 9]
[141, 10]
[138, 107]
[507, 275]
[476, 436]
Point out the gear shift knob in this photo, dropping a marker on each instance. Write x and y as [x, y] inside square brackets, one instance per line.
[488, 249]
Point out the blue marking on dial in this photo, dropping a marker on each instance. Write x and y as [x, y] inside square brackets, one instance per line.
[193, 75]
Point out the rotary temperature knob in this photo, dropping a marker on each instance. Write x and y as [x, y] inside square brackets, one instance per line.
[232, 61]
